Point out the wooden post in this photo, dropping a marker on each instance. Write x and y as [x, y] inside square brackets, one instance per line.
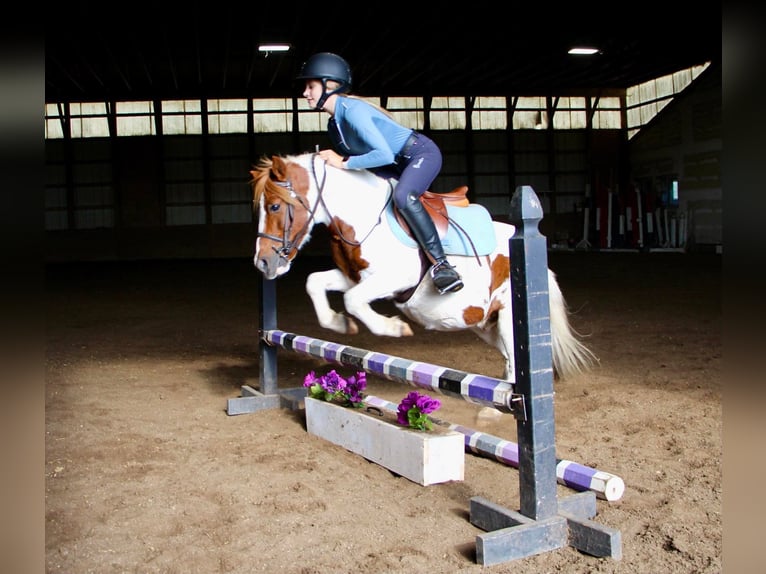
[267, 313]
[543, 522]
[269, 395]
[533, 357]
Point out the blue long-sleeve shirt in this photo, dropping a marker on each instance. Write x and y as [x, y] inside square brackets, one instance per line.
[371, 136]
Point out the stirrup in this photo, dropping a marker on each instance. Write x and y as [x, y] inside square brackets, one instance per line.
[445, 278]
[453, 287]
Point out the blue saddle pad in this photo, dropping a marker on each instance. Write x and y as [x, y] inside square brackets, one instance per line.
[472, 234]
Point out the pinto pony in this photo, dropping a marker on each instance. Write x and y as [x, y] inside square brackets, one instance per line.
[376, 260]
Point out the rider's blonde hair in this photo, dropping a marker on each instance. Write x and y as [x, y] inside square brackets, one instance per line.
[332, 84]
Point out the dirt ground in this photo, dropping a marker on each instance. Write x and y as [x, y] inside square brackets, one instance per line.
[146, 472]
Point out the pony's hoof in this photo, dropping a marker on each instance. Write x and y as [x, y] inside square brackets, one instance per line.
[395, 327]
[351, 327]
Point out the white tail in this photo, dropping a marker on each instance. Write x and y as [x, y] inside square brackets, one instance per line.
[570, 356]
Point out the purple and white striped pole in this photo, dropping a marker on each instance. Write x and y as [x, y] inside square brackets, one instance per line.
[471, 387]
[574, 475]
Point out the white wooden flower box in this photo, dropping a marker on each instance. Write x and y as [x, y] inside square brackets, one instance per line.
[424, 457]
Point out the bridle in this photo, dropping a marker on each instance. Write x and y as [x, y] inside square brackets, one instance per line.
[287, 245]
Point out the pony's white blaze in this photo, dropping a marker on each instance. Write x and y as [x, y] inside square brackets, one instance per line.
[295, 193]
[263, 244]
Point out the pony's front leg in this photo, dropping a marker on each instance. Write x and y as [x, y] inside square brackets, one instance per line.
[317, 286]
[357, 302]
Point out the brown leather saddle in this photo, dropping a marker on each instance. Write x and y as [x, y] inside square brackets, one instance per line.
[436, 206]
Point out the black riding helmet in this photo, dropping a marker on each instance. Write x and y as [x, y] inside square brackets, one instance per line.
[327, 66]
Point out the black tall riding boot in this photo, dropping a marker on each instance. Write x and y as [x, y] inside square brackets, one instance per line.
[445, 277]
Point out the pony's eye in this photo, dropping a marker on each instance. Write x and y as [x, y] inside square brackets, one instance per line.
[274, 207]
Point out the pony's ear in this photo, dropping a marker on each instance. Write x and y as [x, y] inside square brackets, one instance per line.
[278, 168]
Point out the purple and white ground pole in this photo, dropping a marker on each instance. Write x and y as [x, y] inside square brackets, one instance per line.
[607, 486]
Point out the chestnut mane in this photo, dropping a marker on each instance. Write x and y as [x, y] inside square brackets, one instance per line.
[265, 175]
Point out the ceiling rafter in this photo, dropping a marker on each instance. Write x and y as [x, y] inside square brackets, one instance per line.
[200, 52]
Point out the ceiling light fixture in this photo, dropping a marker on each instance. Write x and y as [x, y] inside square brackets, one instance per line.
[273, 47]
[583, 51]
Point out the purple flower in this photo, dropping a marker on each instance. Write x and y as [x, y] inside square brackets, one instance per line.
[333, 387]
[427, 404]
[310, 379]
[413, 409]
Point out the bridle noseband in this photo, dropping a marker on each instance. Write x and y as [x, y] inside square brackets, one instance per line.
[287, 245]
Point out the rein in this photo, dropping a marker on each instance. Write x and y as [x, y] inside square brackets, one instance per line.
[287, 245]
[335, 226]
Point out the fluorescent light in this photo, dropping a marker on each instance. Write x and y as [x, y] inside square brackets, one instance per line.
[273, 47]
[583, 51]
